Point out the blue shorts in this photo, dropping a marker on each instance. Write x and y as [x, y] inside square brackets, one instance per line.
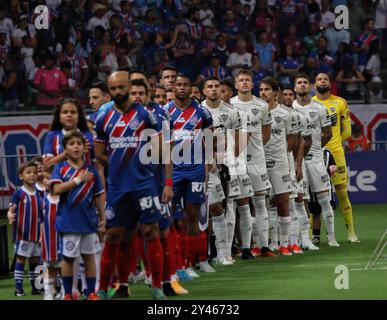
[190, 190]
[165, 221]
[129, 208]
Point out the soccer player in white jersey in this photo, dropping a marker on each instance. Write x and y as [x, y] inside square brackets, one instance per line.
[320, 124]
[255, 113]
[226, 119]
[299, 224]
[283, 137]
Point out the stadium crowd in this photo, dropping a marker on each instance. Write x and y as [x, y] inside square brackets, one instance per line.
[86, 40]
[269, 151]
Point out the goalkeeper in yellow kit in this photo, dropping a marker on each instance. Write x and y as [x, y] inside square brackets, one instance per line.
[341, 130]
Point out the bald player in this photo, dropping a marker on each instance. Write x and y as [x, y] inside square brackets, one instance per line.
[129, 185]
[338, 110]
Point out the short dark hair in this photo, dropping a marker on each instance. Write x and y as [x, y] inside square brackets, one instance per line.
[183, 75]
[26, 164]
[287, 87]
[272, 82]
[159, 86]
[303, 76]
[244, 71]
[72, 134]
[227, 82]
[131, 71]
[211, 78]
[101, 86]
[139, 83]
[166, 68]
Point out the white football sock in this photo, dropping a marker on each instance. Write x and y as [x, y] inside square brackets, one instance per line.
[97, 268]
[245, 225]
[219, 226]
[294, 224]
[327, 213]
[273, 223]
[284, 226]
[303, 221]
[230, 218]
[262, 220]
[254, 239]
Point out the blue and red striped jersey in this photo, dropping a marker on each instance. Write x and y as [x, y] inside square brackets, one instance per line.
[122, 133]
[28, 214]
[50, 237]
[53, 144]
[76, 211]
[188, 126]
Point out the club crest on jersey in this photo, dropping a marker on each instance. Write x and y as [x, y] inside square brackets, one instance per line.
[277, 119]
[255, 111]
[109, 213]
[134, 124]
[146, 203]
[332, 109]
[194, 120]
[312, 114]
[224, 117]
[24, 247]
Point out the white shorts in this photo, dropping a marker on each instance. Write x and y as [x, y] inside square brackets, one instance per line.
[27, 249]
[234, 189]
[258, 177]
[280, 180]
[215, 189]
[245, 186]
[75, 244]
[318, 177]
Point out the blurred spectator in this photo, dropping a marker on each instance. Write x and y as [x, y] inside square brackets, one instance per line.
[6, 25]
[240, 59]
[195, 92]
[213, 70]
[324, 17]
[311, 39]
[204, 47]
[294, 40]
[139, 7]
[272, 34]
[27, 52]
[24, 29]
[221, 49]
[381, 27]
[258, 73]
[258, 17]
[288, 14]
[323, 57]
[170, 13]
[99, 18]
[356, 18]
[4, 47]
[343, 54]
[335, 37]
[150, 26]
[160, 95]
[266, 52]
[288, 66]
[357, 142]
[349, 80]
[230, 27]
[194, 25]
[205, 13]
[50, 83]
[9, 85]
[183, 54]
[363, 41]
[126, 16]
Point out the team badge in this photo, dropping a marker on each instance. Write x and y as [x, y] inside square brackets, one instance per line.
[255, 111]
[277, 119]
[24, 247]
[70, 245]
[134, 124]
[109, 213]
[193, 121]
[224, 117]
[333, 109]
[312, 114]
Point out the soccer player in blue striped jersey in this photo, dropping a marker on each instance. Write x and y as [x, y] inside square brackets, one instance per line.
[25, 213]
[190, 120]
[80, 190]
[131, 183]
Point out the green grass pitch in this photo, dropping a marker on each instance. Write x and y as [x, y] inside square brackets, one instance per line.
[308, 276]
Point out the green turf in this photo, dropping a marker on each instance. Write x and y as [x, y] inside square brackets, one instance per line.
[308, 276]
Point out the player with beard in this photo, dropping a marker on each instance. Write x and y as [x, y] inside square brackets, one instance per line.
[283, 138]
[338, 109]
[256, 115]
[320, 124]
[129, 185]
[298, 174]
[227, 120]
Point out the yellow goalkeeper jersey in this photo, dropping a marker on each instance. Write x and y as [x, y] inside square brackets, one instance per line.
[338, 109]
